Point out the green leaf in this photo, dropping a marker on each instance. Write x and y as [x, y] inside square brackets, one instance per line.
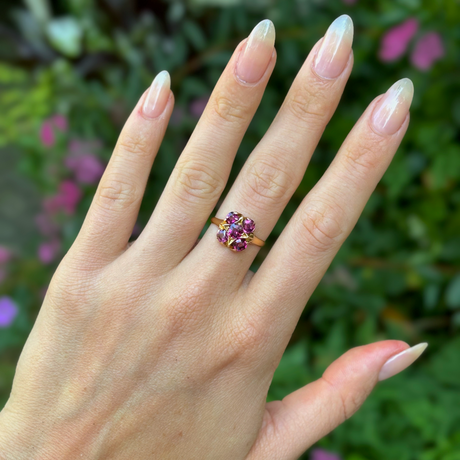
[65, 35]
[40, 9]
[194, 34]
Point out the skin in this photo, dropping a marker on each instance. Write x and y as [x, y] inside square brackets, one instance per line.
[146, 350]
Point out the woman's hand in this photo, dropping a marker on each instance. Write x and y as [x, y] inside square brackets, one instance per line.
[166, 350]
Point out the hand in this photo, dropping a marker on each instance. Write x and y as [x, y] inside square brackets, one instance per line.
[166, 350]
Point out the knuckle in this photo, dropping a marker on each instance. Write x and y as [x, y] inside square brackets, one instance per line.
[134, 145]
[268, 183]
[365, 155]
[321, 226]
[309, 104]
[72, 292]
[184, 310]
[244, 336]
[116, 193]
[229, 110]
[197, 182]
[348, 403]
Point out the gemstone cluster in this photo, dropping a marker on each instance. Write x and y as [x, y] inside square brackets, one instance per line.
[236, 231]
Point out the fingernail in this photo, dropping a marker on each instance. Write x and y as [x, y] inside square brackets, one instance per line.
[158, 95]
[401, 361]
[335, 49]
[392, 109]
[257, 52]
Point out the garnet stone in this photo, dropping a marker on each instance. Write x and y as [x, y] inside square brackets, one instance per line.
[233, 217]
[235, 231]
[248, 225]
[222, 236]
[239, 245]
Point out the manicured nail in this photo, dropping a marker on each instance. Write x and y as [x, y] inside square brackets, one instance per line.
[335, 49]
[392, 109]
[257, 52]
[158, 95]
[399, 362]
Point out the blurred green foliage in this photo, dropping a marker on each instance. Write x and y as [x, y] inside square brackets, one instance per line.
[398, 274]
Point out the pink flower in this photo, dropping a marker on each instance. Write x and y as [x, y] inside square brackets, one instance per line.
[5, 255]
[66, 199]
[48, 251]
[47, 134]
[394, 43]
[70, 195]
[60, 121]
[87, 168]
[8, 311]
[321, 454]
[427, 51]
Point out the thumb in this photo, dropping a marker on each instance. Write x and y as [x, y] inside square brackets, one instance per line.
[292, 425]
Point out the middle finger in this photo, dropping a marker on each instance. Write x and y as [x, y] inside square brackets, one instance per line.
[201, 172]
[276, 166]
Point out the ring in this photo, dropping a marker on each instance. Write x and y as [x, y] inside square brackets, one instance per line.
[236, 231]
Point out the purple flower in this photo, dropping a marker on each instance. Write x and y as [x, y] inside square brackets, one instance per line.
[47, 134]
[48, 251]
[427, 51]
[83, 162]
[395, 41]
[5, 255]
[321, 454]
[87, 168]
[8, 311]
[197, 106]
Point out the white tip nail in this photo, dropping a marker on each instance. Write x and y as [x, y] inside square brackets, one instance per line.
[401, 361]
[157, 97]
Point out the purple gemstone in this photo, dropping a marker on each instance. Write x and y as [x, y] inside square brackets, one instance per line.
[222, 236]
[232, 217]
[249, 225]
[239, 245]
[235, 231]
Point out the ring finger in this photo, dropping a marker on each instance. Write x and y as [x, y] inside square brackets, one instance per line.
[329, 212]
[275, 168]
